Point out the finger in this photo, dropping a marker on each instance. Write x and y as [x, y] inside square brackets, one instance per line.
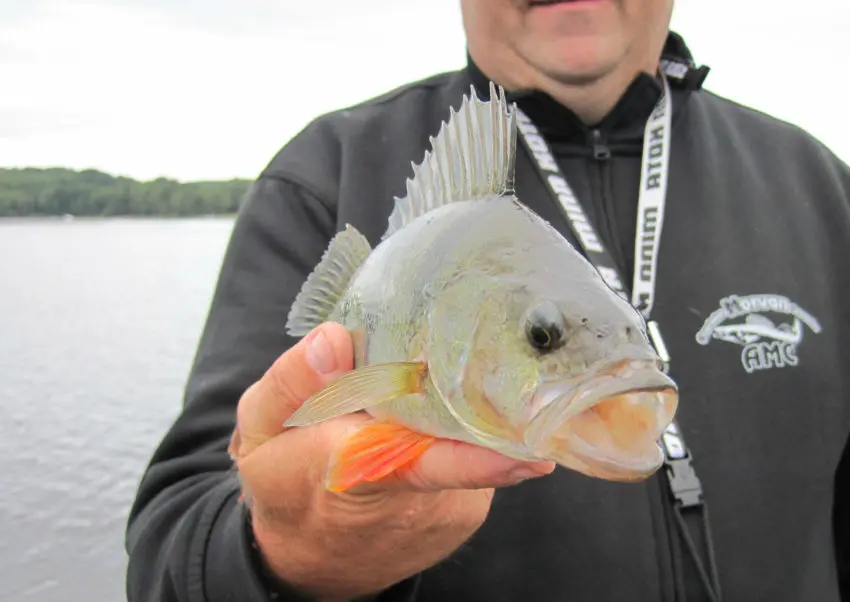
[302, 455]
[446, 465]
[457, 465]
[303, 370]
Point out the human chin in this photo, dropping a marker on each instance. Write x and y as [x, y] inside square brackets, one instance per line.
[572, 59]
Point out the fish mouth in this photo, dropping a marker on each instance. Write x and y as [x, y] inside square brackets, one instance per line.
[609, 425]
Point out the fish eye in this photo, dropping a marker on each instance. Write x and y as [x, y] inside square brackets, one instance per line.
[544, 327]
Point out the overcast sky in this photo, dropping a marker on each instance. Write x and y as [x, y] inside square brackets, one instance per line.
[212, 88]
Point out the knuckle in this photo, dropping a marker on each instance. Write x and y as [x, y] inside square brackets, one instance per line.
[281, 379]
[411, 517]
[243, 415]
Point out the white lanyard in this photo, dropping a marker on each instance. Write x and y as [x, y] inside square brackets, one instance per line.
[653, 190]
[684, 485]
[650, 218]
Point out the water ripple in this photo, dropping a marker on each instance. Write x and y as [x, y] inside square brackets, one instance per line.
[98, 325]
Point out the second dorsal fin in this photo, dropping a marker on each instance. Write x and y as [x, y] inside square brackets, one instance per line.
[472, 157]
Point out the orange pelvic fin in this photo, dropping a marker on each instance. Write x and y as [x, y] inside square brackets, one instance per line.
[373, 452]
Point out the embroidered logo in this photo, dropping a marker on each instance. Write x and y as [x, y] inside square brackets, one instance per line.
[768, 341]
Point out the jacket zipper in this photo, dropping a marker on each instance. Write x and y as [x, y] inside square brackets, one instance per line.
[601, 152]
[670, 570]
[607, 218]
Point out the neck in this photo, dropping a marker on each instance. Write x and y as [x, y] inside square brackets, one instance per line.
[590, 98]
[591, 101]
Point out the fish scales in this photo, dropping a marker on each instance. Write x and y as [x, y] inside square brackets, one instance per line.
[390, 297]
[474, 320]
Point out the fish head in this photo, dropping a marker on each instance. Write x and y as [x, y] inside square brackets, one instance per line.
[562, 367]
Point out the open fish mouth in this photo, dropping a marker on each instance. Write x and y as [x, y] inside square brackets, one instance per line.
[609, 425]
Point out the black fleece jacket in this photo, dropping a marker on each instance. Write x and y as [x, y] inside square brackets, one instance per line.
[757, 226]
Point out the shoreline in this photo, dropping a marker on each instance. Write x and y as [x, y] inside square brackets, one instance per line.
[127, 217]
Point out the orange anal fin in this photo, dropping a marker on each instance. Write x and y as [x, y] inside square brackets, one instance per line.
[373, 452]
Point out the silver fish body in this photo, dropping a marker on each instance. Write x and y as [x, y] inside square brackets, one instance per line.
[522, 346]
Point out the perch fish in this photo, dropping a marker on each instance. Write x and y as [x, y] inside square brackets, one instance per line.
[475, 320]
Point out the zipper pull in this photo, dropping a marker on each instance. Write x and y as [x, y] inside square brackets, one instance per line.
[601, 152]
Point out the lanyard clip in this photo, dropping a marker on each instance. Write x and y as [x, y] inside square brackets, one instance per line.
[681, 477]
[684, 483]
[658, 344]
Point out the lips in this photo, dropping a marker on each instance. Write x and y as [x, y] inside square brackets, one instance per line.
[552, 2]
[607, 426]
[556, 403]
[542, 3]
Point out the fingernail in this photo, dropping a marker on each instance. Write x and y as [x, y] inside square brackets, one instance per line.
[320, 355]
[522, 473]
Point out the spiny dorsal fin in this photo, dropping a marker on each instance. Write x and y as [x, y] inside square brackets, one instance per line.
[471, 158]
[326, 284]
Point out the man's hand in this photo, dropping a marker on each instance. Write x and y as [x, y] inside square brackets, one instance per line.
[337, 546]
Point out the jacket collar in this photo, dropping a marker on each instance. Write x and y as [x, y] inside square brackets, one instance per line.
[628, 117]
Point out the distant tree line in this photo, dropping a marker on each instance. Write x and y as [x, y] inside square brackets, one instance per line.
[59, 191]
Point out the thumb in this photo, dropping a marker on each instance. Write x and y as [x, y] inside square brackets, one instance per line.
[303, 370]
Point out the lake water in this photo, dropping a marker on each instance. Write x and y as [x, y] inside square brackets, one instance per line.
[98, 325]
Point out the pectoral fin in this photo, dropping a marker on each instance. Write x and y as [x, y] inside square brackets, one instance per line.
[358, 390]
[373, 452]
